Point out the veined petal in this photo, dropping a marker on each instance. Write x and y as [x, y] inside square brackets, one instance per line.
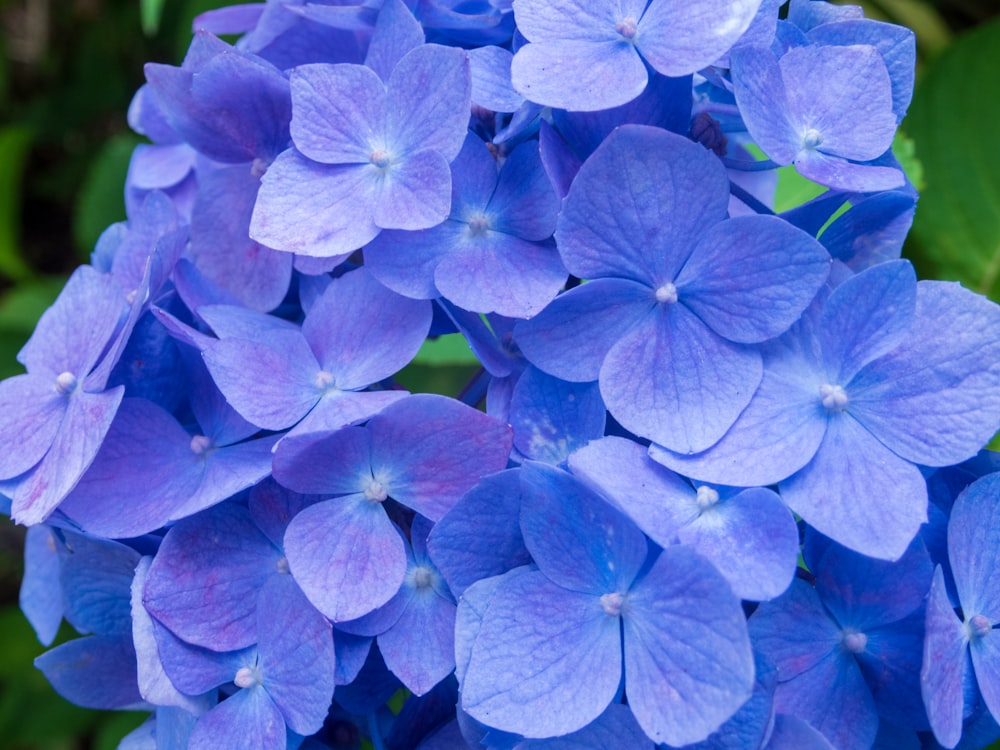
[858, 492]
[545, 661]
[673, 380]
[315, 209]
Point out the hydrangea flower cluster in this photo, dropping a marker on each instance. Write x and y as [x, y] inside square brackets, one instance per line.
[727, 489]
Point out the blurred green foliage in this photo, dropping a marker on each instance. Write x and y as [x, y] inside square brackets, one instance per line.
[68, 69]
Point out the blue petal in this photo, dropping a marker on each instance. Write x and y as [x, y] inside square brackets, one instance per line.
[686, 638]
[545, 662]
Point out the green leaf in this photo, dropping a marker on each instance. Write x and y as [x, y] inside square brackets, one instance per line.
[151, 11]
[15, 144]
[102, 197]
[450, 349]
[956, 232]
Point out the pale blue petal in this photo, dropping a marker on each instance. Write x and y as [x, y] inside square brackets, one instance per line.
[674, 381]
[858, 492]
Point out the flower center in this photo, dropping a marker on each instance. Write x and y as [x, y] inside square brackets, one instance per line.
[478, 225]
[282, 566]
[423, 578]
[66, 383]
[612, 603]
[855, 642]
[324, 380]
[707, 497]
[375, 491]
[380, 158]
[812, 139]
[246, 677]
[979, 626]
[200, 444]
[666, 294]
[626, 27]
[834, 397]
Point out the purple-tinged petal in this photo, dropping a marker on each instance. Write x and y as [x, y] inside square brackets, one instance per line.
[315, 209]
[472, 606]
[362, 332]
[146, 463]
[858, 492]
[853, 118]
[862, 592]
[247, 719]
[279, 399]
[793, 733]
[840, 174]
[557, 342]
[347, 556]
[465, 549]
[272, 507]
[420, 647]
[338, 111]
[332, 464]
[297, 658]
[974, 547]
[413, 193]
[935, 399]
[430, 91]
[751, 538]
[405, 261]
[41, 596]
[688, 661]
[495, 272]
[224, 253]
[227, 470]
[750, 278]
[396, 33]
[204, 580]
[236, 322]
[866, 317]
[579, 75]
[656, 499]
[195, 670]
[87, 420]
[154, 685]
[638, 205]
[682, 38]
[545, 662]
[834, 699]
[775, 436]
[73, 333]
[760, 94]
[31, 412]
[94, 672]
[428, 450]
[794, 631]
[576, 538]
[337, 409]
[673, 380]
[871, 231]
